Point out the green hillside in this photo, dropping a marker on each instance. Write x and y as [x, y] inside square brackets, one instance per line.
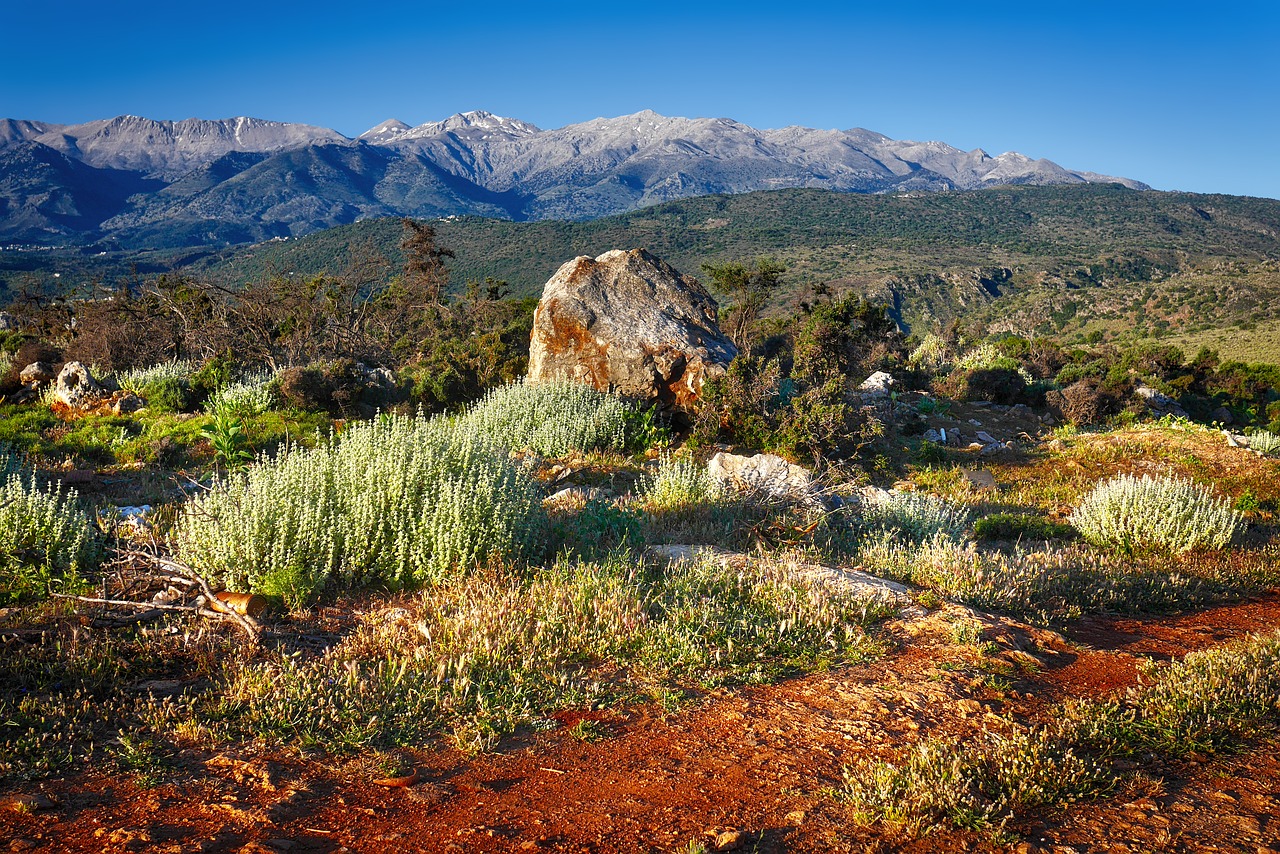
[1048, 259]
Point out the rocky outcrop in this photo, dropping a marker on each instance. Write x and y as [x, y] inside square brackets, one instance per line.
[76, 386]
[629, 322]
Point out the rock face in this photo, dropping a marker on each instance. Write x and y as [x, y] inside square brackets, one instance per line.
[76, 386]
[629, 322]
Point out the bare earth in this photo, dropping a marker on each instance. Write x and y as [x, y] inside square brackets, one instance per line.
[750, 769]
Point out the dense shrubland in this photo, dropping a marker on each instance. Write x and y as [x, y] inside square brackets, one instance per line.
[350, 442]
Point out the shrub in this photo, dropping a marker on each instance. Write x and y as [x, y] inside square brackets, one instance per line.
[46, 538]
[252, 395]
[1085, 401]
[679, 482]
[1154, 514]
[1019, 526]
[915, 517]
[138, 379]
[166, 394]
[552, 419]
[393, 503]
[1265, 442]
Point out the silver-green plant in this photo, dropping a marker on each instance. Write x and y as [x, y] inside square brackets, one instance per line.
[396, 502]
[552, 419]
[678, 482]
[252, 395]
[137, 379]
[1265, 442]
[915, 517]
[1162, 514]
[46, 538]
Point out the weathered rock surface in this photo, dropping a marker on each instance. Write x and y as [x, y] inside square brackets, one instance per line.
[763, 473]
[8, 323]
[879, 384]
[37, 373]
[1160, 403]
[627, 321]
[844, 579]
[76, 386]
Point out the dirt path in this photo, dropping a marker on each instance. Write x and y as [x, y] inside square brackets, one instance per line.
[754, 762]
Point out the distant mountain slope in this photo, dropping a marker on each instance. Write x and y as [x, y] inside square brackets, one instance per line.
[244, 179]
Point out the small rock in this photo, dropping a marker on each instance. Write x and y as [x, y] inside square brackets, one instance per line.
[765, 474]
[730, 840]
[980, 479]
[796, 817]
[879, 384]
[24, 802]
[1223, 415]
[37, 373]
[935, 437]
[986, 438]
[8, 323]
[127, 403]
[23, 845]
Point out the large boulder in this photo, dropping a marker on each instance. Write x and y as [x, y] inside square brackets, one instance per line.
[627, 321]
[76, 386]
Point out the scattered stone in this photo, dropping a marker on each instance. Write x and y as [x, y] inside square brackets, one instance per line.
[23, 845]
[1160, 403]
[730, 840]
[627, 321]
[8, 323]
[76, 386]
[37, 373]
[986, 438]
[980, 478]
[879, 384]
[993, 448]
[26, 802]
[127, 403]
[796, 817]
[763, 474]
[1223, 415]
[935, 437]
[574, 495]
[254, 772]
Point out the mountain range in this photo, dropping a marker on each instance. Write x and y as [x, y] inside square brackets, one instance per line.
[131, 182]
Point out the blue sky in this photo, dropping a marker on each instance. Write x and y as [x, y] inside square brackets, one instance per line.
[1182, 97]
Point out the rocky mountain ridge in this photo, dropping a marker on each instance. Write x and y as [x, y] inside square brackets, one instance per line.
[199, 182]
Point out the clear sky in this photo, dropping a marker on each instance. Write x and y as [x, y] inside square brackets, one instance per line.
[1182, 96]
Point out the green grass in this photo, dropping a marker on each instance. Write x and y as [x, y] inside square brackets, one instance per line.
[479, 655]
[1210, 701]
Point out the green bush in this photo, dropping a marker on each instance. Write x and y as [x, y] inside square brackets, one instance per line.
[915, 517]
[1020, 526]
[166, 394]
[1154, 514]
[46, 538]
[552, 419]
[394, 503]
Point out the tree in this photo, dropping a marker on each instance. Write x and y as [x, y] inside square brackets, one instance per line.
[748, 289]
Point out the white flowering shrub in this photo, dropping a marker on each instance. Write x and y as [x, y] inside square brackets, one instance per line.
[138, 379]
[1154, 514]
[915, 517]
[46, 538]
[552, 419]
[1264, 442]
[395, 502]
[679, 482]
[252, 395]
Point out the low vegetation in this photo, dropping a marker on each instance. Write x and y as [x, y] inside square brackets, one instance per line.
[450, 552]
[1202, 704]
